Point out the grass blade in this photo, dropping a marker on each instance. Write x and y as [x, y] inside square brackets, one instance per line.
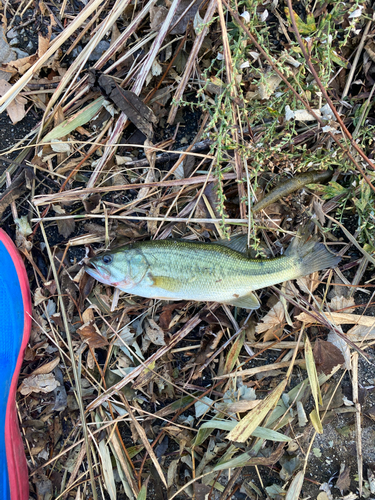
[245, 428]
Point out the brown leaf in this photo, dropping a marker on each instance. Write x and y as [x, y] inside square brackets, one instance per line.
[216, 318]
[157, 16]
[64, 226]
[39, 383]
[342, 303]
[272, 323]
[166, 314]
[274, 317]
[48, 367]
[343, 482]
[181, 26]
[309, 283]
[91, 203]
[201, 491]
[16, 109]
[16, 189]
[86, 284]
[39, 297]
[50, 286]
[128, 102]
[154, 332]
[359, 333]
[89, 333]
[327, 356]
[208, 345]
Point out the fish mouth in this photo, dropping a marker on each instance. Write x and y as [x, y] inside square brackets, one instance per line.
[98, 273]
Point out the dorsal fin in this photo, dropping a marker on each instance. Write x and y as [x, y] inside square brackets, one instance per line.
[237, 243]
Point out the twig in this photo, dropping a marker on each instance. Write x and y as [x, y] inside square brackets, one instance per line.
[358, 427]
[78, 194]
[260, 369]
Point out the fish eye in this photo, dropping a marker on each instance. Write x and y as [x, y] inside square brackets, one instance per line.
[107, 259]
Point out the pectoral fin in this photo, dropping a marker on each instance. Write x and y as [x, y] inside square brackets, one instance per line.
[166, 283]
[249, 301]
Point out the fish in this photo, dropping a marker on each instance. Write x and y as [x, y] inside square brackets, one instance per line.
[206, 272]
[287, 187]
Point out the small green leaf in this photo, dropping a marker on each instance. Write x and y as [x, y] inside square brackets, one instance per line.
[240, 461]
[333, 189]
[338, 59]
[142, 494]
[259, 432]
[304, 28]
[77, 120]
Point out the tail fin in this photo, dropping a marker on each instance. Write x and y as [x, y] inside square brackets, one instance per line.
[311, 255]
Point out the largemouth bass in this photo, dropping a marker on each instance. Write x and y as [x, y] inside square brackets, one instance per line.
[212, 272]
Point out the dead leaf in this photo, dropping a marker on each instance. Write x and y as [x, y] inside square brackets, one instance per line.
[340, 303]
[23, 230]
[216, 318]
[17, 188]
[343, 481]
[88, 315]
[50, 286]
[47, 368]
[272, 323]
[318, 209]
[166, 314]
[86, 284]
[268, 85]
[39, 297]
[183, 437]
[154, 332]
[370, 49]
[157, 16]
[90, 334]
[360, 333]
[6, 54]
[201, 490]
[16, 109]
[238, 407]
[309, 283]
[128, 102]
[43, 42]
[43, 383]
[181, 26]
[64, 226]
[92, 203]
[274, 317]
[342, 346]
[327, 356]
[20, 65]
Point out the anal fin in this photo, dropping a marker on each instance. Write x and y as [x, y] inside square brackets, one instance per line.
[248, 301]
